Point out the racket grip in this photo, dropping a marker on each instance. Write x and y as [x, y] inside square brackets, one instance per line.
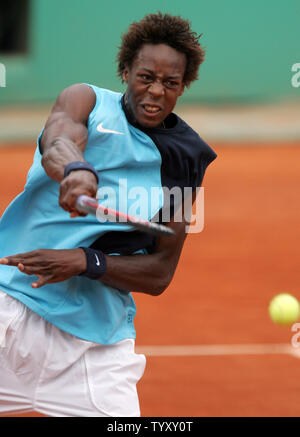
[86, 204]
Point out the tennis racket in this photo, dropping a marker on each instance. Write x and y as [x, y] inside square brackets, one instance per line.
[89, 205]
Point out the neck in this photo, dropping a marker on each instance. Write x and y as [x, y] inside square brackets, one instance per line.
[128, 108]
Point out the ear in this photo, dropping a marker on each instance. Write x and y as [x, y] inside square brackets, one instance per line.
[125, 74]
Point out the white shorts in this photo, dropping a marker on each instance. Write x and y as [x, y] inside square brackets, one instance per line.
[47, 370]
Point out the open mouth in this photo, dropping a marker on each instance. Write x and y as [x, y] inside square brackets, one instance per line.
[151, 109]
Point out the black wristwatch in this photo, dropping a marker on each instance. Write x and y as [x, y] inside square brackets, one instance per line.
[80, 165]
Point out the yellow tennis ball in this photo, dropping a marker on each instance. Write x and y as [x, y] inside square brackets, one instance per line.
[284, 309]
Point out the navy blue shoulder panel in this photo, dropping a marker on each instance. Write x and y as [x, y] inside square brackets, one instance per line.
[185, 157]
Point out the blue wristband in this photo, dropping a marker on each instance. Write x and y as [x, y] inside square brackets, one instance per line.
[79, 165]
[96, 263]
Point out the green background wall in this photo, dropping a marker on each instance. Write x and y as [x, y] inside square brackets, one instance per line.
[251, 46]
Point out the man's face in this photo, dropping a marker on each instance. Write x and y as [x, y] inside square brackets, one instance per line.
[154, 83]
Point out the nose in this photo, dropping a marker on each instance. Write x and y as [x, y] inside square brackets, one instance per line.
[156, 89]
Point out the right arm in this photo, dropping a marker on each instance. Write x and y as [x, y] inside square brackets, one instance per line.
[64, 140]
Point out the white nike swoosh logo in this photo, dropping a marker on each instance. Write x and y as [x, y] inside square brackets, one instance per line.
[97, 262]
[100, 128]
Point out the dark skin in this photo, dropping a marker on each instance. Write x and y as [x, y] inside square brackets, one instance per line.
[154, 83]
[155, 79]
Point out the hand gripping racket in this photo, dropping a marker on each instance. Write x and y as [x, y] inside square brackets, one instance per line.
[89, 205]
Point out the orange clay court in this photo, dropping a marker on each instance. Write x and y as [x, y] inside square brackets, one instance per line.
[210, 345]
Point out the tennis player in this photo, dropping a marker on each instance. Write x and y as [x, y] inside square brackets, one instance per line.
[66, 309]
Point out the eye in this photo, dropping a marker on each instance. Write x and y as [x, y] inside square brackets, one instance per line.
[146, 77]
[171, 83]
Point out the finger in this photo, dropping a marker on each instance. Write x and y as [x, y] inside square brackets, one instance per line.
[9, 261]
[62, 196]
[77, 214]
[67, 197]
[42, 281]
[28, 270]
[14, 260]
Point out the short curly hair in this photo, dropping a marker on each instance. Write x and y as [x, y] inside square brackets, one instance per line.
[162, 29]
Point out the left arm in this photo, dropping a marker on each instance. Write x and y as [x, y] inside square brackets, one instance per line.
[150, 274]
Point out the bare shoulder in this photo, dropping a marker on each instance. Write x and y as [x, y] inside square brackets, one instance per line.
[76, 100]
[77, 90]
[69, 115]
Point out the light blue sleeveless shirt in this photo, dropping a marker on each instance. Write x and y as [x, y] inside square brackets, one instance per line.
[123, 156]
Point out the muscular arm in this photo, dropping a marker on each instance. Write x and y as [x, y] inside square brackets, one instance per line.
[65, 134]
[64, 140]
[149, 274]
